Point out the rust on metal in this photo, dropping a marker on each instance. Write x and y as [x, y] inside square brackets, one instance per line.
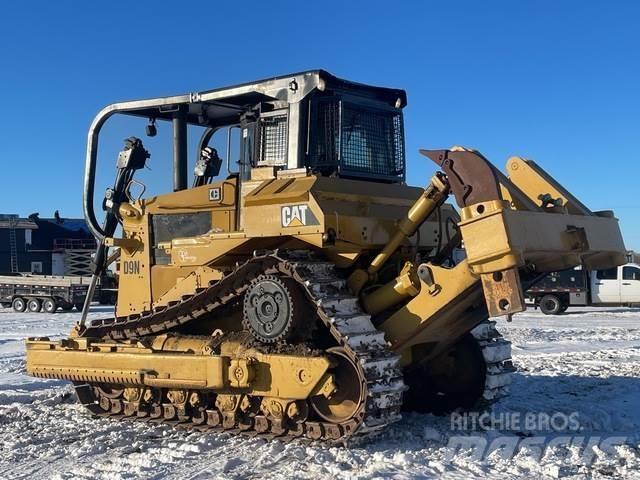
[471, 177]
[503, 292]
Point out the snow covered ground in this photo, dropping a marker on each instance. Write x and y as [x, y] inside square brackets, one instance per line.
[580, 372]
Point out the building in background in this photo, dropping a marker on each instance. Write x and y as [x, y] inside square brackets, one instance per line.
[15, 236]
[633, 257]
[50, 246]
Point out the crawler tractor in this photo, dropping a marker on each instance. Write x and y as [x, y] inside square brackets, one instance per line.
[299, 287]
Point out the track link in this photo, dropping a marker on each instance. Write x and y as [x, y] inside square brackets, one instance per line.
[497, 355]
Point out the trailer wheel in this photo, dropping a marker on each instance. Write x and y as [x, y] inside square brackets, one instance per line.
[49, 305]
[19, 305]
[34, 305]
[550, 305]
[67, 307]
[79, 306]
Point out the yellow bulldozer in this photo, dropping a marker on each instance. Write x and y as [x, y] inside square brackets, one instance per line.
[299, 287]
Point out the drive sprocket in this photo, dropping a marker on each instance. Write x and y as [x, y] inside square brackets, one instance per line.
[269, 309]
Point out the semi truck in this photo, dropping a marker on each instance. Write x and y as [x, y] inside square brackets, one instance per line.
[557, 291]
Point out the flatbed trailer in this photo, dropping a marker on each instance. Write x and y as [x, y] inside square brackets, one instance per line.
[34, 293]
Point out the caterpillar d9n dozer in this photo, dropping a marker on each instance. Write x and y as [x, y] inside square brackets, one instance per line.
[303, 289]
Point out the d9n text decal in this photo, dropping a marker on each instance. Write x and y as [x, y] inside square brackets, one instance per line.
[131, 267]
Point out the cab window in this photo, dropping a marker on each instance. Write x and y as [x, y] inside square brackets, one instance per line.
[630, 273]
[609, 274]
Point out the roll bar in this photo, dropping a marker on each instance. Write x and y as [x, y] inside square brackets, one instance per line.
[92, 149]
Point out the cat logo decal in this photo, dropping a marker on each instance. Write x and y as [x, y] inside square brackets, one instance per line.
[297, 216]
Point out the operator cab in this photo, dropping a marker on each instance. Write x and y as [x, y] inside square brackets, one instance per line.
[314, 121]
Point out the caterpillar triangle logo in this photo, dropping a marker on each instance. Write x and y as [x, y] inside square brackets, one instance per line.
[297, 216]
[295, 222]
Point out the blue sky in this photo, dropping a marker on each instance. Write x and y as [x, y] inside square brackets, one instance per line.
[556, 81]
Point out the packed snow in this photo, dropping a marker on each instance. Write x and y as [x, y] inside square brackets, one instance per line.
[574, 412]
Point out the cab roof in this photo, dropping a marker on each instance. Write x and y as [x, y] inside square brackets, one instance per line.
[210, 107]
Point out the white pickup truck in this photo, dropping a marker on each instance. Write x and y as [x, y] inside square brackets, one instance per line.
[558, 291]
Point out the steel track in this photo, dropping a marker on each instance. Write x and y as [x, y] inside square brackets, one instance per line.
[351, 328]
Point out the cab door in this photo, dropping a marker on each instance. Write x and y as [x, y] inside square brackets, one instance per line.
[630, 285]
[605, 287]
